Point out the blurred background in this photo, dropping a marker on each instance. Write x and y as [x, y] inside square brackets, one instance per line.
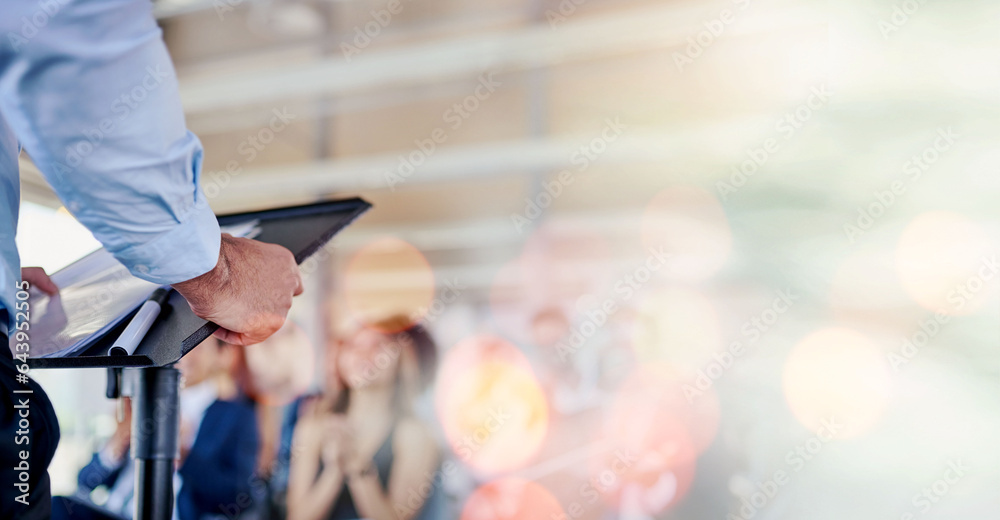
[679, 259]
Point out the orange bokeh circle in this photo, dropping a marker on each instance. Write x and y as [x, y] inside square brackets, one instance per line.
[511, 499]
[837, 376]
[491, 407]
[388, 278]
[947, 262]
[654, 432]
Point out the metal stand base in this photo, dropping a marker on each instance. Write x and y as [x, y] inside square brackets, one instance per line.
[155, 429]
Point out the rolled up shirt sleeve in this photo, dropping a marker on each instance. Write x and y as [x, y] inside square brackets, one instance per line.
[90, 92]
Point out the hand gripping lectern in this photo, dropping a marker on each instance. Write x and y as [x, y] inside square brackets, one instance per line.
[149, 377]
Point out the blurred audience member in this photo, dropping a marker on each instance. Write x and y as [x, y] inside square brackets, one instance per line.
[218, 445]
[360, 450]
[219, 436]
[281, 366]
[111, 468]
[569, 360]
[281, 369]
[304, 406]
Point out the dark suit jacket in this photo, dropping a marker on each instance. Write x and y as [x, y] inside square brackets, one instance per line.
[218, 473]
[37, 442]
[96, 474]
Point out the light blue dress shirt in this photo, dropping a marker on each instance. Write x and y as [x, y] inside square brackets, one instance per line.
[88, 90]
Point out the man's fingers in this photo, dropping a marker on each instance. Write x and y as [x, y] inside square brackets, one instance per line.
[223, 334]
[49, 287]
[228, 336]
[37, 277]
[250, 295]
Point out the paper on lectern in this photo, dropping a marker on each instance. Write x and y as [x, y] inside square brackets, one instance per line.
[95, 294]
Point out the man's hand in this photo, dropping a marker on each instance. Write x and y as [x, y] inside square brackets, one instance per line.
[249, 292]
[36, 277]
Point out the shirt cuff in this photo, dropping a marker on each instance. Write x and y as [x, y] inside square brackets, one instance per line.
[187, 251]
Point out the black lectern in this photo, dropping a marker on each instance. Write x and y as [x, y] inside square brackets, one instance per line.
[149, 376]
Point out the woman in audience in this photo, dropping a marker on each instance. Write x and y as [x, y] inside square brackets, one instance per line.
[218, 441]
[361, 452]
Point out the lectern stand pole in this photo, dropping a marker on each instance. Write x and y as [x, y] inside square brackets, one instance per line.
[148, 375]
[155, 425]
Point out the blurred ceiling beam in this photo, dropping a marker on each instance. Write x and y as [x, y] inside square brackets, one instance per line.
[485, 232]
[502, 241]
[163, 9]
[475, 277]
[220, 123]
[580, 39]
[720, 143]
[166, 9]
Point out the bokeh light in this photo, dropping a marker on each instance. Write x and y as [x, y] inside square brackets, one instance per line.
[661, 391]
[837, 376]
[652, 460]
[388, 277]
[654, 432]
[555, 265]
[510, 300]
[866, 281]
[947, 262]
[564, 264]
[511, 499]
[491, 407]
[815, 176]
[690, 224]
[676, 325]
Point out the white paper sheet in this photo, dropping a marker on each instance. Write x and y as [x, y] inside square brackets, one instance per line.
[95, 294]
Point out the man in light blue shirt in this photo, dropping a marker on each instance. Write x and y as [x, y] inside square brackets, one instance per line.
[88, 90]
